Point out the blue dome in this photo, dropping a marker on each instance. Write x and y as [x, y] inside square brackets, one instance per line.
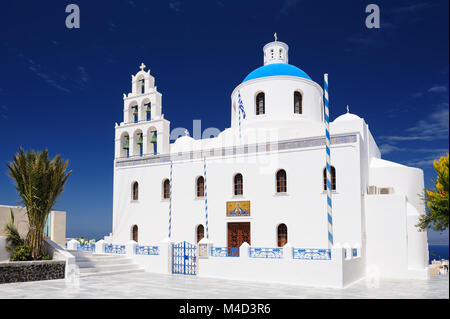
[276, 69]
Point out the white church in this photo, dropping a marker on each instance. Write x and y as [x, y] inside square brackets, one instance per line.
[259, 188]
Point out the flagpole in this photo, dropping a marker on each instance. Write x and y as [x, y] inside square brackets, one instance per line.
[206, 197]
[239, 107]
[170, 201]
[328, 156]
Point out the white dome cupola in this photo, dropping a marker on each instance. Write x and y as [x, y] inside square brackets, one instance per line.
[276, 52]
[347, 117]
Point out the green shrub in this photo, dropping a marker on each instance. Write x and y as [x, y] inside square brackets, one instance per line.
[45, 257]
[21, 253]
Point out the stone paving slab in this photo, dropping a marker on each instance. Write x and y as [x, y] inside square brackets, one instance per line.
[157, 286]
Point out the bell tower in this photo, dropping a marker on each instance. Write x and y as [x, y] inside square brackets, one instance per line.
[144, 131]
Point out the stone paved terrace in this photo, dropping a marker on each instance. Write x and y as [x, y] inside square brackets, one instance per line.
[156, 286]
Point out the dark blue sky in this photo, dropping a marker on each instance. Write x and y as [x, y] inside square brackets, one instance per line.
[62, 88]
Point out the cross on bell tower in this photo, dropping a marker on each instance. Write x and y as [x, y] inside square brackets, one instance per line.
[143, 66]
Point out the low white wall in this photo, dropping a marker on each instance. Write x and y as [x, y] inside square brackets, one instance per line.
[334, 273]
[154, 263]
[323, 273]
[354, 269]
[56, 252]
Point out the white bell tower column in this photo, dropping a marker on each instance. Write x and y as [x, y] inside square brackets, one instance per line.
[143, 123]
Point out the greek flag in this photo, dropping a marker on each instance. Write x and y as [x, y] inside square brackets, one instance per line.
[241, 107]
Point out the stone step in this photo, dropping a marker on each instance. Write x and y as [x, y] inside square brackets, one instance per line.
[94, 262]
[83, 274]
[90, 263]
[89, 254]
[80, 253]
[108, 268]
[100, 257]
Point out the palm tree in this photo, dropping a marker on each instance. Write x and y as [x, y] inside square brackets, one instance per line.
[39, 181]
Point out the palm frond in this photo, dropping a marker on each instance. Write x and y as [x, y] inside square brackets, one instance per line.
[12, 234]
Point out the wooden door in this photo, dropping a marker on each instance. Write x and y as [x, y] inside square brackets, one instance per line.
[238, 233]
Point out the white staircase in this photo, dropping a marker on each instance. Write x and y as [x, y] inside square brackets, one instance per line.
[93, 264]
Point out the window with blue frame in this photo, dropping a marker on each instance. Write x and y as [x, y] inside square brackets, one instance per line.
[47, 226]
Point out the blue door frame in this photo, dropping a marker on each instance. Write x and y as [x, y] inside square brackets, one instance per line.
[184, 259]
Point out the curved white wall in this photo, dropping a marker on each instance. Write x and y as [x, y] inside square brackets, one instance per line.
[279, 101]
[405, 180]
[417, 240]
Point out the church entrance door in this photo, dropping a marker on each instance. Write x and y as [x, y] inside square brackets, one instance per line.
[238, 233]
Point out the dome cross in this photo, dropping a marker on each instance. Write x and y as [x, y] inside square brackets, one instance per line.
[142, 67]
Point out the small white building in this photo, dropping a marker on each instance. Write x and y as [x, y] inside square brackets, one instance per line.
[265, 178]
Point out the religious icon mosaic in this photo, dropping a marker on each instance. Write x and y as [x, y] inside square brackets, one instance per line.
[240, 208]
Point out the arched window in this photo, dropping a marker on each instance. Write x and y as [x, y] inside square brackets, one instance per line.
[333, 178]
[281, 181]
[134, 233]
[238, 184]
[200, 232]
[166, 189]
[260, 104]
[200, 186]
[282, 235]
[298, 102]
[135, 191]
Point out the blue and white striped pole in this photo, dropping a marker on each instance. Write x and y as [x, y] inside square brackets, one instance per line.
[170, 201]
[239, 107]
[206, 197]
[328, 142]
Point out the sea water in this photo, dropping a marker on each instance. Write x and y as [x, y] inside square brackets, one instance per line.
[438, 252]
